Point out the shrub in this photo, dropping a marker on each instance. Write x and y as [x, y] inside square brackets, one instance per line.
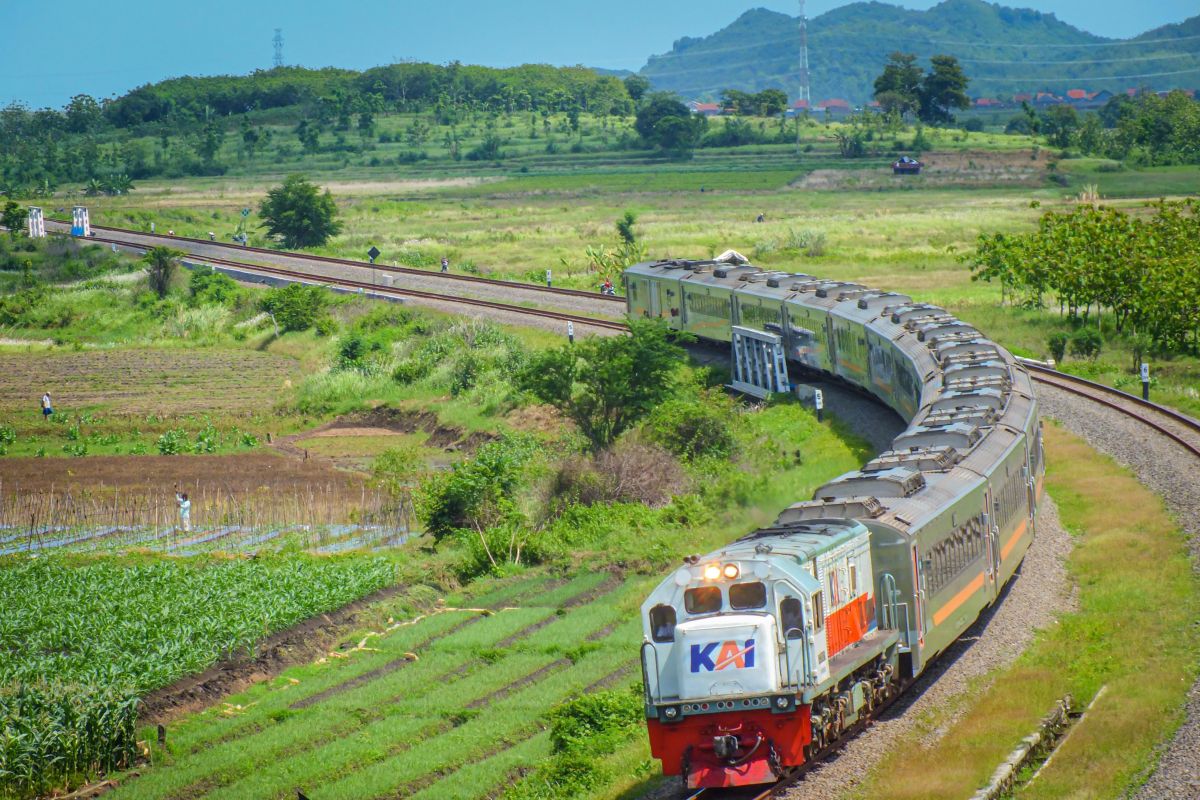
[295, 307]
[974, 125]
[693, 429]
[1087, 343]
[473, 493]
[595, 723]
[1058, 346]
[206, 285]
[628, 472]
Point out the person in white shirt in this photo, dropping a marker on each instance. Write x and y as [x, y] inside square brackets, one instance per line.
[185, 510]
[47, 406]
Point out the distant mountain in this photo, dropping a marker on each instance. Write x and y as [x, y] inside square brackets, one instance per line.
[1003, 50]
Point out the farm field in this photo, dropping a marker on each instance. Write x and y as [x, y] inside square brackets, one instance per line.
[83, 654]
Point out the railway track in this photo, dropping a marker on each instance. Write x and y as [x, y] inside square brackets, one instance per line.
[1179, 428]
[391, 291]
[321, 267]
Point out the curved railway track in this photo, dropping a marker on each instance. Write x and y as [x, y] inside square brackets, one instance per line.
[1179, 428]
[572, 300]
[389, 291]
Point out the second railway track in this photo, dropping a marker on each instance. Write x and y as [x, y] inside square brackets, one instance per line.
[446, 301]
[453, 284]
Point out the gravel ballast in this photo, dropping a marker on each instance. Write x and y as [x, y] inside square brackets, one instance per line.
[1170, 471]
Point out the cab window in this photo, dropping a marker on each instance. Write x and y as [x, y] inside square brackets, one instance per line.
[791, 618]
[662, 623]
[818, 611]
[704, 600]
[748, 595]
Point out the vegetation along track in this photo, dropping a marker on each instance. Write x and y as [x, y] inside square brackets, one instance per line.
[1181, 429]
[505, 312]
[328, 267]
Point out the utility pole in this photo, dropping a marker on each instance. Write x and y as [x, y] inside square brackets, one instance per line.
[278, 42]
[805, 93]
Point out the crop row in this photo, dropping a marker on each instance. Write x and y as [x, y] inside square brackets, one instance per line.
[83, 642]
[282, 740]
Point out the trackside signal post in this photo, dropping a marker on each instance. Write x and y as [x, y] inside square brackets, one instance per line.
[37, 223]
[1145, 381]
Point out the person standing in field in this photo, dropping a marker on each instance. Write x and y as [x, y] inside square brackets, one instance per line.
[47, 406]
[185, 510]
[445, 264]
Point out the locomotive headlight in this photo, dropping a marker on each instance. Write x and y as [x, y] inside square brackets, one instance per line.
[670, 712]
[731, 571]
[712, 572]
[781, 702]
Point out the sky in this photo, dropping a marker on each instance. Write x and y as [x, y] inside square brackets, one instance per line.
[50, 52]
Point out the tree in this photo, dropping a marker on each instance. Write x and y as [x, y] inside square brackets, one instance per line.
[625, 228]
[770, 102]
[309, 134]
[83, 114]
[606, 385]
[636, 86]
[943, 89]
[161, 265]
[298, 214]
[1059, 123]
[14, 218]
[898, 87]
[666, 123]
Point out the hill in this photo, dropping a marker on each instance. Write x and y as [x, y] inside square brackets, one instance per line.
[1003, 50]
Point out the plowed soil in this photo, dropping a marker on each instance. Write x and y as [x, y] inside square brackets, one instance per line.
[233, 473]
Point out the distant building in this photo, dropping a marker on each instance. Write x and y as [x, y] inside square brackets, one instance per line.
[835, 107]
[1046, 99]
[987, 103]
[704, 109]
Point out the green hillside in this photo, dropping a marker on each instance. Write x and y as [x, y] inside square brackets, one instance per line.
[1004, 51]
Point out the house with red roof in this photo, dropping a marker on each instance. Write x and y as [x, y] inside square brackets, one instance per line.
[704, 109]
[835, 107]
[987, 103]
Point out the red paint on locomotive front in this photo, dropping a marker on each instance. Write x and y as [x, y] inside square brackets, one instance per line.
[691, 740]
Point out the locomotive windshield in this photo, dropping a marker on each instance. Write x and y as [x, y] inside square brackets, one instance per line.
[703, 600]
[748, 595]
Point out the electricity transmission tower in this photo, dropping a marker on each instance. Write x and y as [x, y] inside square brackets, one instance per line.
[805, 93]
[278, 42]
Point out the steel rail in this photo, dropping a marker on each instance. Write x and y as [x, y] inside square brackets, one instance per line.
[1092, 390]
[346, 262]
[387, 290]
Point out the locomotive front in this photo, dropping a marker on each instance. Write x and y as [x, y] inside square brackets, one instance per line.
[739, 643]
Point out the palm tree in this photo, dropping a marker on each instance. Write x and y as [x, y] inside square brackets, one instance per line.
[161, 265]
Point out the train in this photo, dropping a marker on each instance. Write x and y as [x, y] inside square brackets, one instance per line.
[759, 656]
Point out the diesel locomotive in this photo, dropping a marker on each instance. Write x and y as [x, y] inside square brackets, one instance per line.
[759, 655]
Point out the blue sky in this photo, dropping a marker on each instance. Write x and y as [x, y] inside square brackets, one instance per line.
[48, 52]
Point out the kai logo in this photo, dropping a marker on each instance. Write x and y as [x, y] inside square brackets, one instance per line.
[707, 658]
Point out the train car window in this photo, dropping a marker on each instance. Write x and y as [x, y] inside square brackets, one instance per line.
[704, 600]
[791, 618]
[853, 577]
[834, 600]
[818, 610]
[748, 595]
[633, 291]
[662, 623]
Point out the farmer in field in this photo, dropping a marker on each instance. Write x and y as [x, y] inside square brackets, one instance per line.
[185, 510]
[445, 264]
[47, 406]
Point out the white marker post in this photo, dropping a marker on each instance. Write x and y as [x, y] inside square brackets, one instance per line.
[819, 402]
[571, 332]
[547, 279]
[1145, 381]
[80, 223]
